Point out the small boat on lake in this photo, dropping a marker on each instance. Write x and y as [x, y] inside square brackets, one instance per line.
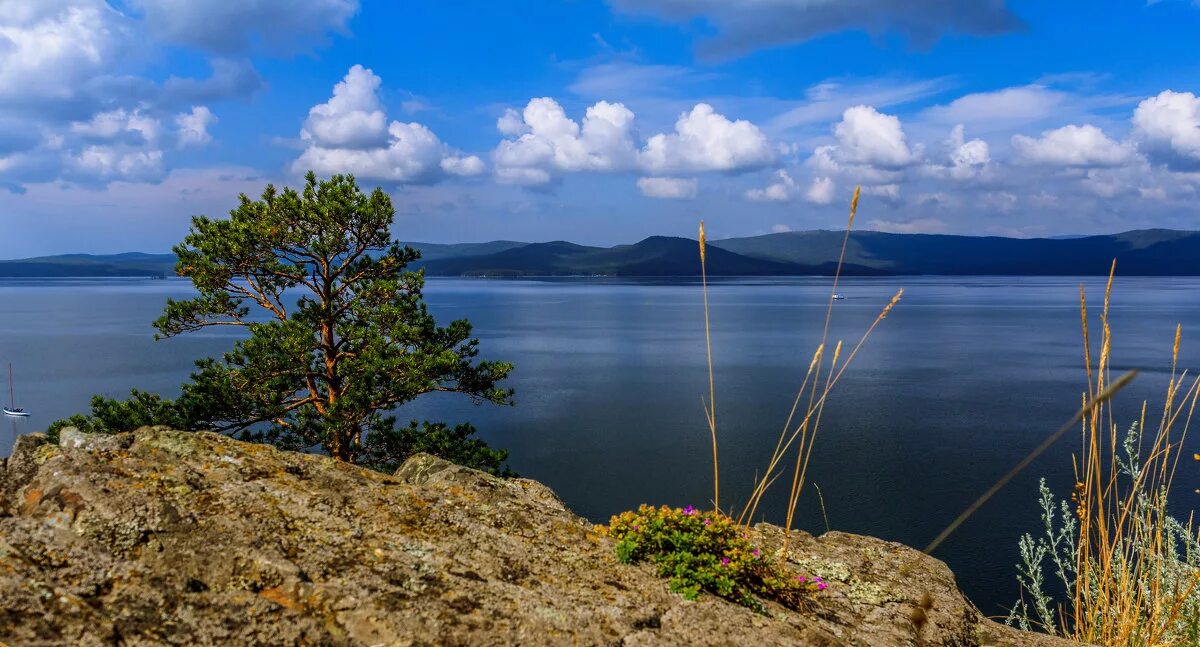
[837, 296]
[12, 409]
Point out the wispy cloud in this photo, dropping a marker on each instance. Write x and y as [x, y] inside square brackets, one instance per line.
[622, 79]
[743, 27]
[826, 101]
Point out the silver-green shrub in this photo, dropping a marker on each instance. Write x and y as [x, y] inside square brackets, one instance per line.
[1173, 566]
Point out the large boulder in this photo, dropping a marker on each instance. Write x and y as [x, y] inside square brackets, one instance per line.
[165, 537]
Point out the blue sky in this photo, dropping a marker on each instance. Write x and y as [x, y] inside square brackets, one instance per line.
[600, 121]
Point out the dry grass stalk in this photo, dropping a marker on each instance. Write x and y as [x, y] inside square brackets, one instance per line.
[819, 380]
[803, 427]
[1129, 568]
[1083, 412]
[1120, 595]
[710, 409]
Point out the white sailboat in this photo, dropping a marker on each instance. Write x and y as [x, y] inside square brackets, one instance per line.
[12, 409]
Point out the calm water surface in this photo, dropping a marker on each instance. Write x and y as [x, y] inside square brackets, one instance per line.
[959, 383]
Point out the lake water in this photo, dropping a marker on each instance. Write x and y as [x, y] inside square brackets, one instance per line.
[957, 385]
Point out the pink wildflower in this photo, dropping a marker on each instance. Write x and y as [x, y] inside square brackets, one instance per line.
[821, 586]
[724, 561]
[689, 510]
[756, 552]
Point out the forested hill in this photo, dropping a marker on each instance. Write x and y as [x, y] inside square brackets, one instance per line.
[132, 264]
[654, 256]
[1148, 252]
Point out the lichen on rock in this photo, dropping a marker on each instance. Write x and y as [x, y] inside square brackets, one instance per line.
[161, 537]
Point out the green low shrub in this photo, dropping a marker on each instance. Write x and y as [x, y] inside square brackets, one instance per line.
[707, 551]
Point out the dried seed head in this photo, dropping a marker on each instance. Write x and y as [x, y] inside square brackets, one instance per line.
[701, 241]
[854, 206]
[918, 618]
[925, 601]
[891, 304]
[1175, 350]
[820, 352]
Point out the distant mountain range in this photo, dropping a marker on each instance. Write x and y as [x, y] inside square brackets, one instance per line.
[131, 264]
[654, 256]
[1147, 252]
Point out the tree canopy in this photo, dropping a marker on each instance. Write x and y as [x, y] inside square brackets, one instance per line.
[338, 330]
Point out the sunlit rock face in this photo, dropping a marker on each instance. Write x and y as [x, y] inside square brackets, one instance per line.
[165, 537]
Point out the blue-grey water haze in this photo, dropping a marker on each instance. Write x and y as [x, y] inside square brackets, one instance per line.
[963, 379]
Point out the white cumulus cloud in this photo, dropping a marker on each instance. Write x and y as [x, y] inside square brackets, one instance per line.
[965, 159]
[824, 162]
[668, 187]
[511, 123]
[1167, 129]
[465, 166]
[1083, 146]
[347, 135]
[784, 188]
[705, 140]
[352, 118]
[119, 124]
[111, 145]
[113, 163]
[50, 47]
[868, 137]
[889, 193]
[820, 191]
[551, 141]
[781, 190]
[871, 148]
[523, 176]
[193, 126]
[542, 141]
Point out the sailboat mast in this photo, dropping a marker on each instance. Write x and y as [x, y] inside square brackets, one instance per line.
[12, 399]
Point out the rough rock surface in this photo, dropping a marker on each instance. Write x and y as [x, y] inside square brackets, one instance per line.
[164, 537]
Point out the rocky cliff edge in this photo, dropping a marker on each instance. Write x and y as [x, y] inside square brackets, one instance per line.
[164, 537]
